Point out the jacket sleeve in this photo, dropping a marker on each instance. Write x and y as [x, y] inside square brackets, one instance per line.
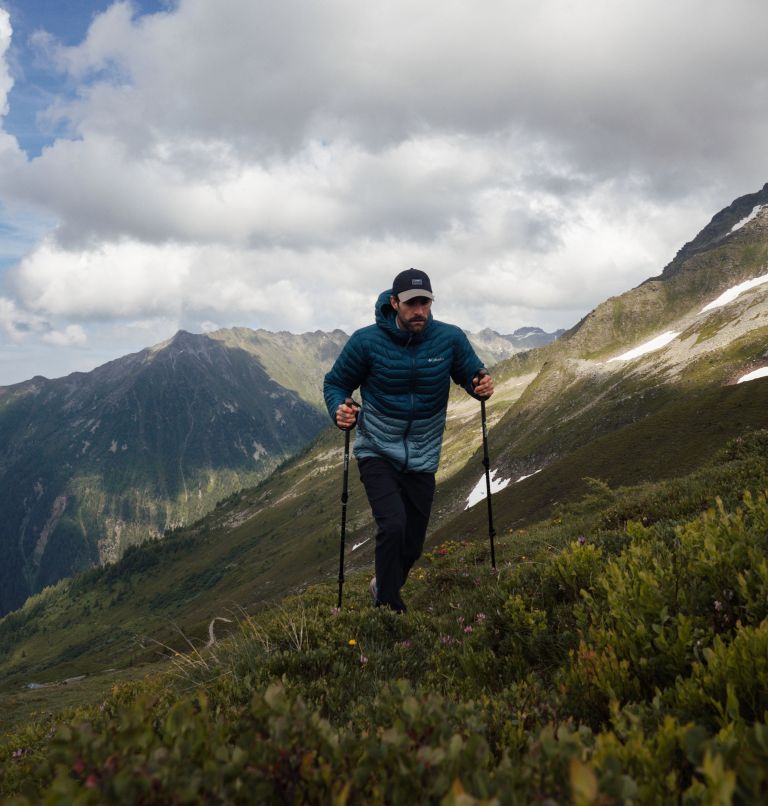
[466, 364]
[347, 374]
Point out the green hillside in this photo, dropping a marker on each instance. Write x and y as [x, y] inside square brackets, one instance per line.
[618, 655]
[96, 462]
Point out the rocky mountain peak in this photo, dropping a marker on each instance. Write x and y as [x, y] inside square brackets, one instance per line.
[722, 225]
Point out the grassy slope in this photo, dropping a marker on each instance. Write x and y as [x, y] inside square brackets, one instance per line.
[577, 672]
[683, 433]
[284, 534]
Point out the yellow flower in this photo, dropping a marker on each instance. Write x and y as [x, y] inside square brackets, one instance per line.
[352, 642]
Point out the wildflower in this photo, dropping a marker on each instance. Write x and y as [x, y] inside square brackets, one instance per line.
[335, 611]
[91, 781]
[442, 552]
[363, 660]
[460, 620]
[718, 606]
[468, 628]
[406, 644]
[480, 618]
[582, 540]
[352, 642]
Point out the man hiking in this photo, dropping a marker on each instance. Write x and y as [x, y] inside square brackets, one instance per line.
[403, 366]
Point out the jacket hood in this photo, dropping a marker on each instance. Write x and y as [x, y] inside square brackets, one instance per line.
[385, 319]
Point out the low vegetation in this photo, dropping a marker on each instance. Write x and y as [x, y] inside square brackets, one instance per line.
[618, 654]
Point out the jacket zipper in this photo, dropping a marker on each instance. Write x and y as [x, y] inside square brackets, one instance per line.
[409, 346]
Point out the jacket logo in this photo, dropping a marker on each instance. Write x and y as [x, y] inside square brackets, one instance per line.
[432, 360]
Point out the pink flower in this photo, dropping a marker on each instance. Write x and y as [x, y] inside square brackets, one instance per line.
[468, 628]
[480, 618]
[363, 660]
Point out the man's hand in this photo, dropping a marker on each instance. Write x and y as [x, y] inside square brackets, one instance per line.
[346, 414]
[483, 384]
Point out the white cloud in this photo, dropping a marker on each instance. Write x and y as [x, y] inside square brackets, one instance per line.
[6, 82]
[16, 323]
[70, 336]
[123, 279]
[9, 152]
[276, 163]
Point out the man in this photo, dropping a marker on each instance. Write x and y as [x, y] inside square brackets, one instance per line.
[403, 365]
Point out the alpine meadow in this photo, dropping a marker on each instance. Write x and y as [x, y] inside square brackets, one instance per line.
[174, 515]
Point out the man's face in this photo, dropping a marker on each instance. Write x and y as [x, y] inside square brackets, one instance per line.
[413, 314]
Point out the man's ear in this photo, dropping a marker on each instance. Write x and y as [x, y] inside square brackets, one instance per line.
[393, 301]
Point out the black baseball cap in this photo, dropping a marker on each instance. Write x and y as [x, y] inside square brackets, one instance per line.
[412, 283]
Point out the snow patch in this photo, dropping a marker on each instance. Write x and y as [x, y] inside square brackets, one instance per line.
[731, 294]
[751, 376]
[747, 219]
[648, 347]
[523, 478]
[113, 446]
[479, 491]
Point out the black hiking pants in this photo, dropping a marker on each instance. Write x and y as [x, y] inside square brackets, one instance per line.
[401, 503]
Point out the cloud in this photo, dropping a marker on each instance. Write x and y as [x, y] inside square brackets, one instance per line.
[70, 336]
[276, 163]
[6, 82]
[16, 323]
[9, 153]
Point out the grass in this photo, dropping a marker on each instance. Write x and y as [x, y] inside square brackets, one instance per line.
[594, 665]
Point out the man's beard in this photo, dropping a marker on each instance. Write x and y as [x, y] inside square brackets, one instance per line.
[416, 323]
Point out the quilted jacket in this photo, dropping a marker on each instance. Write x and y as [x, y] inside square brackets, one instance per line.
[404, 380]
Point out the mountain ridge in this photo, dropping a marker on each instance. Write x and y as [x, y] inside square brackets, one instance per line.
[138, 445]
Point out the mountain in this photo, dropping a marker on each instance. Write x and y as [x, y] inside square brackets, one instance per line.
[97, 461]
[493, 347]
[297, 362]
[581, 416]
[645, 386]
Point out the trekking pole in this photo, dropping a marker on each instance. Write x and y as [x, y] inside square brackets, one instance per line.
[344, 498]
[487, 466]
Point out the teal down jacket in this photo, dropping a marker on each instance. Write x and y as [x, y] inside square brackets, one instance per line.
[404, 380]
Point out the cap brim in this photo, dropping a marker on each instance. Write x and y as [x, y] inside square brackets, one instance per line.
[404, 296]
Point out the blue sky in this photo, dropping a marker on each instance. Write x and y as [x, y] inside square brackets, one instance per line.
[274, 164]
[36, 84]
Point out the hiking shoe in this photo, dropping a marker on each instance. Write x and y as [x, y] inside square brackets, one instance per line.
[373, 588]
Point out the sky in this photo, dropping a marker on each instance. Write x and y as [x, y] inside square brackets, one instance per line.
[170, 164]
